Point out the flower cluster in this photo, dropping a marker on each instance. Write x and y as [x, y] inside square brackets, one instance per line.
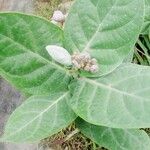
[78, 61]
[83, 61]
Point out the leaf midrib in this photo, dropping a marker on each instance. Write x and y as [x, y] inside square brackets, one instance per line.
[39, 115]
[109, 87]
[38, 55]
[87, 46]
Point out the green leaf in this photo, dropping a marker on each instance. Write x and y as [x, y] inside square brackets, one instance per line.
[107, 29]
[24, 60]
[115, 139]
[129, 57]
[119, 100]
[38, 117]
[146, 25]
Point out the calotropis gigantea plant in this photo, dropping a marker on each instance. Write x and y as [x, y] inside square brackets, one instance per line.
[113, 101]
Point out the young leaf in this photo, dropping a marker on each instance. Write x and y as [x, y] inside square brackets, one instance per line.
[107, 29]
[38, 117]
[59, 54]
[119, 100]
[115, 139]
[24, 60]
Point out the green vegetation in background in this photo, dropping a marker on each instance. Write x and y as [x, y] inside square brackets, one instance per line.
[142, 51]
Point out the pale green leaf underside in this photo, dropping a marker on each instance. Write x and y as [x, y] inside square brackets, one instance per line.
[107, 29]
[118, 100]
[38, 117]
[115, 139]
[146, 25]
[129, 57]
[24, 60]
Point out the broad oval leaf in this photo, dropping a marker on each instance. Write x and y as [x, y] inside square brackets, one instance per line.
[24, 60]
[38, 117]
[115, 139]
[107, 29]
[119, 100]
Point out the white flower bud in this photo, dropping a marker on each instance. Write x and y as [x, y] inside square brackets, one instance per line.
[58, 16]
[59, 54]
[83, 61]
[76, 64]
[94, 68]
[87, 68]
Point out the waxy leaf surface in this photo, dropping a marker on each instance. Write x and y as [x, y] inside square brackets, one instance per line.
[115, 139]
[119, 100]
[38, 117]
[146, 25]
[24, 60]
[107, 29]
